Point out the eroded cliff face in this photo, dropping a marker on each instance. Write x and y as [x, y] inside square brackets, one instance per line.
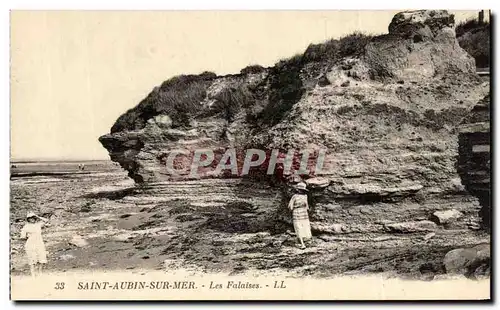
[386, 110]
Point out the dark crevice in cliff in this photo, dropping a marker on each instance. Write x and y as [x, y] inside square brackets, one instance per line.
[474, 156]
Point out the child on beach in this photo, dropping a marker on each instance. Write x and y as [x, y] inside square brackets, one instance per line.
[35, 247]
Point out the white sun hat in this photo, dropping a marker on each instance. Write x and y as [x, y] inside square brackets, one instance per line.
[302, 186]
[30, 214]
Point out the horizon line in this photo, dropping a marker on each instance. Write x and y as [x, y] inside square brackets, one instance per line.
[47, 159]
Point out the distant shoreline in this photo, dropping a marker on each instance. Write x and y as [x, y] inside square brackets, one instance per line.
[31, 161]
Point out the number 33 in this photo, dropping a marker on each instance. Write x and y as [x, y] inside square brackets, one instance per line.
[59, 286]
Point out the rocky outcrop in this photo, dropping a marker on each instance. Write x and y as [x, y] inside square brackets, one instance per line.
[422, 44]
[386, 110]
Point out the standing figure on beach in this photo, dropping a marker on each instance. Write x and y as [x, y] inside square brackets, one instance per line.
[299, 207]
[35, 247]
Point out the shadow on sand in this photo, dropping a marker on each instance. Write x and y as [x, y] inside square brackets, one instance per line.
[112, 194]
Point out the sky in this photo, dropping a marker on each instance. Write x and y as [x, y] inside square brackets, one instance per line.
[73, 73]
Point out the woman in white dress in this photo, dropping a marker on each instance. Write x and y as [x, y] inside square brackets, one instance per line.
[34, 247]
[300, 207]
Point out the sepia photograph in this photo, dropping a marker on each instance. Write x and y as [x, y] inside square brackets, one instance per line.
[250, 155]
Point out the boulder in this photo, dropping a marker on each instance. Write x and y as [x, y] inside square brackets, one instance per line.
[163, 121]
[473, 261]
[483, 251]
[458, 260]
[318, 182]
[446, 217]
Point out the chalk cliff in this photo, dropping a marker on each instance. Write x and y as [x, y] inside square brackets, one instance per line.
[386, 109]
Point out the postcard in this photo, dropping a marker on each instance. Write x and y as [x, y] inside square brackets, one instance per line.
[250, 155]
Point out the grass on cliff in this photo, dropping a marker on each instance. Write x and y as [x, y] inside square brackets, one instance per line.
[230, 101]
[285, 88]
[474, 37]
[252, 69]
[180, 96]
[349, 45]
[286, 84]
